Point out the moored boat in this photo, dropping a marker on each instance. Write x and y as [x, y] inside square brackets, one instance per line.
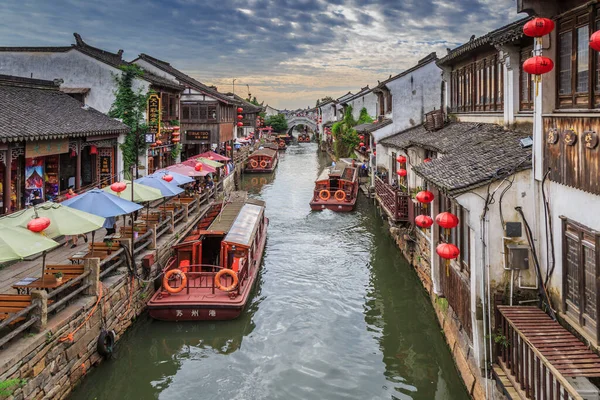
[262, 161]
[337, 187]
[215, 266]
[304, 138]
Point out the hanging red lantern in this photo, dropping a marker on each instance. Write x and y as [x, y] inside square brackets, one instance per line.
[402, 172]
[374, 153]
[240, 117]
[73, 154]
[38, 224]
[175, 133]
[427, 160]
[595, 41]
[538, 65]
[93, 150]
[175, 140]
[538, 27]
[362, 137]
[361, 144]
[240, 124]
[447, 220]
[198, 167]
[168, 178]
[240, 109]
[401, 159]
[425, 197]
[228, 148]
[448, 252]
[118, 187]
[153, 144]
[423, 221]
[159, 142]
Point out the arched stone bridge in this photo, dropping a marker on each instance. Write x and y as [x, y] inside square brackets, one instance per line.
[293, 120]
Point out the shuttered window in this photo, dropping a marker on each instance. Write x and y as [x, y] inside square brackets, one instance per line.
[580, 274]
[478, 86]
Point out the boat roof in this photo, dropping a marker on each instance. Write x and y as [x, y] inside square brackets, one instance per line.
[343, 168]
[264, 152]
[231, 210]
[245, 225]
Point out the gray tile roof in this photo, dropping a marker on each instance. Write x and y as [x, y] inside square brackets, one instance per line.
[34, 109]
[372, 127]
[473, 154]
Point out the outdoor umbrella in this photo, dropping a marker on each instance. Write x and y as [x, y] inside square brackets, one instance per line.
[187, 170]
[17, 243]
[141, 193]
[63, 220]
[211, 155]
[178, 179]
[205, 167]
[212, 163]
[102, 203]
[167, 189]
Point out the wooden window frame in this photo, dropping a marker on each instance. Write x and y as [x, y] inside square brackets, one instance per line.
[586, 238]
[478, 86]
[201, 109]
[572, 23]
[526, 81]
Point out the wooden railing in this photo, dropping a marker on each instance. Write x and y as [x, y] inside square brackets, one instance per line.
[457, 291]
[535, 375]
[397, 204]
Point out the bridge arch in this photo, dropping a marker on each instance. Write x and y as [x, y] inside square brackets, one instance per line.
[293, 121]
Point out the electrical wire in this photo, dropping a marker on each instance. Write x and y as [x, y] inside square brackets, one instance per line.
[549, 232]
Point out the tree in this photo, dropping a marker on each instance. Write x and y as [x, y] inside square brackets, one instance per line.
[364, 117]
[277, 122]
[346, 138]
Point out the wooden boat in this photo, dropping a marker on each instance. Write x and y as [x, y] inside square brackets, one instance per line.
[262, 161]
[304, 138]
[286, 138]
[337, 187]
[215, 266]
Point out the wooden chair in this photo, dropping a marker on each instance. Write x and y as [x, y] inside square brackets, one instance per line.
[13, 303]
[68, 270]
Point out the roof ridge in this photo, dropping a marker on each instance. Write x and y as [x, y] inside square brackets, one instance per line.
[32, 83]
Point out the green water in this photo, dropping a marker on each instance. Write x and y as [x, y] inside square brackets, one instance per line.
[337, 314]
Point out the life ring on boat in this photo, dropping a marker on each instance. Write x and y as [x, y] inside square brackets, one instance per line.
[263, 181]
[340, 195]
[253, 163]
[106, 343]
[281, 144]
[229, 272]
[168, 275]
[255, 181]
[324, 194]
[263, 164]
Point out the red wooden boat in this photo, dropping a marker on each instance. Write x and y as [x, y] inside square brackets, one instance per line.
[215, 267]
[262, 161]
[337, 187]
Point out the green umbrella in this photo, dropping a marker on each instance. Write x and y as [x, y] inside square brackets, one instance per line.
[212, 163]
[63, 220]
[141, 193]
[17, 243]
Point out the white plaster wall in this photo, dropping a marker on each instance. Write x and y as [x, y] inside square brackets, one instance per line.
[414, 95]
[495, 118]
[368, 101]
[156, 71]
[76, 69]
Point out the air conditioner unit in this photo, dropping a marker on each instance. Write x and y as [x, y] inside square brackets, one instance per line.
[517, 256]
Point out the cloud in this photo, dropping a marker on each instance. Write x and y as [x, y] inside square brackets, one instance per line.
[290, 52]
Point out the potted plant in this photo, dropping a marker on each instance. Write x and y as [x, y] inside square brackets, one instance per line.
[109, 244]
[58, 276]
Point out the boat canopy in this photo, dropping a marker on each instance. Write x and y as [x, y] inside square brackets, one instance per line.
[264, 152]
[245, 225]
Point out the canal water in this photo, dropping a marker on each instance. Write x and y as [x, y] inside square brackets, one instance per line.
[336, 314]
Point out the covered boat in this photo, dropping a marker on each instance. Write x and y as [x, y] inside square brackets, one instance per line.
[262, 161]
[215, 267]
[337, 187]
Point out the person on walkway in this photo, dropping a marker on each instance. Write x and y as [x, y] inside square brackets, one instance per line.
[36, 198]
[109, 224]
[75, 238]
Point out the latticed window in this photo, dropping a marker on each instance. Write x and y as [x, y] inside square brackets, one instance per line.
[527, 84]
[478, 86]
[580, 265]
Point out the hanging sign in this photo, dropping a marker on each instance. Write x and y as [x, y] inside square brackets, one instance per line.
[197, 135]
[570, 138]
[41, 148]
[153, 115]
[590, 138]
[105, 168]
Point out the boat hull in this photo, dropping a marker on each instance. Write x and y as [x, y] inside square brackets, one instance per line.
[262, 170]
[332, 205]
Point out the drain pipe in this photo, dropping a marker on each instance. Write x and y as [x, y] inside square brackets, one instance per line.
[482, 228]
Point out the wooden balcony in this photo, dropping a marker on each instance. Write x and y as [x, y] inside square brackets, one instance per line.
[397, 204]
[538, 355]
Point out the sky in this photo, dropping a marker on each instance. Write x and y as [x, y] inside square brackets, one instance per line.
[289, 52]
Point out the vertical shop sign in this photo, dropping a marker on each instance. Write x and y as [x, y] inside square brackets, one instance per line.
[105, 169]
[153, 115]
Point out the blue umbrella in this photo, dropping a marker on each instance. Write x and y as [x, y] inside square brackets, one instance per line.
[102, 203]
[167, 189]
[178, 179]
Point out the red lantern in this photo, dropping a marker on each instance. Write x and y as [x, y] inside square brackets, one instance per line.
[447, 220]
[175, 133]
[198, 167]
[175, 140]
[361, 144]
[73, 154]
[427, 160]
[159, 142]
[424, 197]
[175, 128]
[448, 252]
[423, 221]
[240, 109]
[538, 65]
[362, 137]
[228, 148]
[240, 117]
[118, 187]
[38, 224]
[240, 124]
[168, 178]
[402, 172]
[595, 41]
[93, 150]
[153, 144]
[538, 27]
[374, 153]
[401, 159]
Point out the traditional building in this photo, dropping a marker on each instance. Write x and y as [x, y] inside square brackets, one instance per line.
[270, 111]
[88, 75]
[365, 98]
[208, 118]
[50, 141]
[250, 113]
